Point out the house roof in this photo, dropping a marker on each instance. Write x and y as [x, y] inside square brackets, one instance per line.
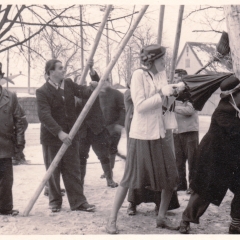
[203, 53]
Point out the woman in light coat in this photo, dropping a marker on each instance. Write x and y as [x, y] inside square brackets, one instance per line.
[151, 163]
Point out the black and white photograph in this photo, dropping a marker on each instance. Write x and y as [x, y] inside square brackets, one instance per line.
[119, 118]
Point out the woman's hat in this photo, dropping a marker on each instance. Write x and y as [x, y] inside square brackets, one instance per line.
[151, 52]
[229, 85]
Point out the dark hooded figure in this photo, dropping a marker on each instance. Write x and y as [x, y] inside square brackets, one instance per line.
[218, 161]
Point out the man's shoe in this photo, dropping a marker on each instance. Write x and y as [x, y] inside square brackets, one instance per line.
[56, 209]
[132, 209]
[11, 212]
[234, 229]
[184, 227]
[86, 207]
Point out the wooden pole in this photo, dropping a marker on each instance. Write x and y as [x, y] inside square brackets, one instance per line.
[176, 44]
[160, 24]
[7, 66]
[232, 16]
[95, 44]
[85, 110]
[81, 34]
[29, 32]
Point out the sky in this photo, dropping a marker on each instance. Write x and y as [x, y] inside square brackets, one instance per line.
[194, 22]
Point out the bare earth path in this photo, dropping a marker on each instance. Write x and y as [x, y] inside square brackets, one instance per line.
[42, 222]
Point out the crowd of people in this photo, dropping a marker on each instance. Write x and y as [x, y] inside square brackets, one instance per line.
[162, 130]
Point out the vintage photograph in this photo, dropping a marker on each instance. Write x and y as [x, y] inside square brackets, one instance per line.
[119, 118]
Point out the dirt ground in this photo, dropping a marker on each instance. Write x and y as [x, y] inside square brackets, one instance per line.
[42, 222]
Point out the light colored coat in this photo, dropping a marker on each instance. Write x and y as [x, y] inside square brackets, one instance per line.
[186, 116]
[147, 122]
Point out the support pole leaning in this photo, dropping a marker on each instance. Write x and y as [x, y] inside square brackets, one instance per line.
[85, 110]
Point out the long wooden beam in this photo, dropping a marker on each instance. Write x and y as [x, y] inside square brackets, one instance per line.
[176, 44]
[95, 44]
[85, 110]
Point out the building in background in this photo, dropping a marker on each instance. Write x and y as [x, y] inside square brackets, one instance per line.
[193, 57]
[197, 54]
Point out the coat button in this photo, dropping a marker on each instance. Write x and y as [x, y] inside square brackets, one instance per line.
[5, 110]
[5, 124]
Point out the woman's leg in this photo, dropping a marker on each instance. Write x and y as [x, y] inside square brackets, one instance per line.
[165, 200]
[118, 201]
[161, 218]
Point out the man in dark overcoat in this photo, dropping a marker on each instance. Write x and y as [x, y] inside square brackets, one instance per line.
[218, 161]
[11, 138]
[57, 114]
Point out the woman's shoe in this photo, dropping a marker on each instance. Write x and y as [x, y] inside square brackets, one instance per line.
[111, 227]
[86, 207]
[184, 227]
[166, 223]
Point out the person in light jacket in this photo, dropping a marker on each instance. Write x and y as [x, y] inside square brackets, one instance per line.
[150, 159]
[186, 136]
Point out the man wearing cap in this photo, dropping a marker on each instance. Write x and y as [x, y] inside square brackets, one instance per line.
[11, 138]
[57, 114]
[218, 161]
[186, 136]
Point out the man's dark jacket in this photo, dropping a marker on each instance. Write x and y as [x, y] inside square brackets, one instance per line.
[112, 105]
[10, 124]
[94, 119]
[56, 113]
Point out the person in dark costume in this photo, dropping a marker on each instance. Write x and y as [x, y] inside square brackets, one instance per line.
[57, 114]
[218, 161]
[150, 159]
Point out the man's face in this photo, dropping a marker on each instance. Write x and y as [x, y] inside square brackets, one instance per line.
[59, 72]
[177, 78]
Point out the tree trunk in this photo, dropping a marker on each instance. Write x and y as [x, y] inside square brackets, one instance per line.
[232, 13]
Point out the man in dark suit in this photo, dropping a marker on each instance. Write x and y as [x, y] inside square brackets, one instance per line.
[57, 114]
[93, 132]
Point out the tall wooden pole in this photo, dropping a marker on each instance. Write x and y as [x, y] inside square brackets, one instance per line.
[81, 33]
[95, 44]
[85, 110]
[160, 24]
[7, 66]
[29, 59]
[232, 16]
[177, 40]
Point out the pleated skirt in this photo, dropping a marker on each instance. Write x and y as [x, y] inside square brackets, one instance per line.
[150, 164]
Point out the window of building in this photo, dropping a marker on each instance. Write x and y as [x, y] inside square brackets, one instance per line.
[187, 63]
